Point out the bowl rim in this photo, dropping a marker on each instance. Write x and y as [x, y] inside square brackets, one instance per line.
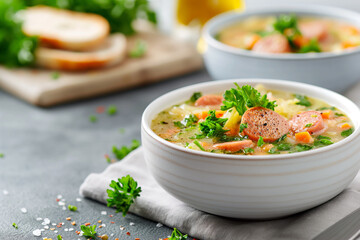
[145, 124]
[329, 11]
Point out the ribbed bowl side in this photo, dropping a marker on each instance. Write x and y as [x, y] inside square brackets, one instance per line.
[252, 188]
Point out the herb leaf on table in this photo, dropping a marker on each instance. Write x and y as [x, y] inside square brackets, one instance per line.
[125, 192]
[89, 231]
[123, 151]
[177, 235]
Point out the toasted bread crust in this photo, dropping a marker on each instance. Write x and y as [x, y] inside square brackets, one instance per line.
[113, 52]
[52, 27]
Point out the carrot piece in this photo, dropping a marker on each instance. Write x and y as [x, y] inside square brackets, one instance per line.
[251, 40]
[204, 114]
[304, 137]
[328, 114]
[348, 44]
[345, 126]
[267, 147]
[301, 41]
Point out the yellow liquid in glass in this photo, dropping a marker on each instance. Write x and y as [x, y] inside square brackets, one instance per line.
[200, 11]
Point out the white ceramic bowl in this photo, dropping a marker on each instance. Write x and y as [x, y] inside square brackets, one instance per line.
[335, 71]
[254, 187]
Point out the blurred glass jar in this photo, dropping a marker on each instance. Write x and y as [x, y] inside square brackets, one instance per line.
[185, 18]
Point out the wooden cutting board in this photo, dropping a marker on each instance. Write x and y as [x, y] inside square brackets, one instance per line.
[165, 58]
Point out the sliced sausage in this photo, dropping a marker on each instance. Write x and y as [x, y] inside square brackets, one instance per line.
[275, 43]
[314, 29]
[310, 121]
[265, 123]
[234, 146]
[209, 100]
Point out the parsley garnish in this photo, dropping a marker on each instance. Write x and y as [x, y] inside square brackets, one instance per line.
[242, 127]
[347, 133]
[308, 125]
[301, 148]
[122, 152]
[15, 225]
[88, 231]
[284, 22]
[322, 141]
[72, 208]
[260, 142]
[93, 118]
[177, 235]
[303, 100]
[196, 142]
[273, 151]
[248, 150]
[187, 122]
[139, 49]
[59, 237]
[281, 138]
[312, 46]
[195, 97]
[245, 97]
[325, 108]
[55, 75]
[212, 126]
[284, 146]
[112, 110]
[339, 114]
[2, 155]
[125, 191]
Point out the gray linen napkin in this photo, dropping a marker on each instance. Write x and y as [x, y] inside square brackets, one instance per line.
[157, 205]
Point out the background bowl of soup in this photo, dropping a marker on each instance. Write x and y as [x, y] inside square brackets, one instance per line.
[253, 187]
[336, 70]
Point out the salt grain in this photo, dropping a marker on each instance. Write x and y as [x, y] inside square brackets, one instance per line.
[38, 219]
[5, 192]
[78, 199]
[54, 224]
[37, 232]
[71, 229]
[159, 225]
[56, 231]
[59, 196]
[63, 208]
[122, 228]
[23, 210]
[46, 227]
[61, 203]
[42, 229]
[46, 221]
[131, 224]
[103, 213]
[103, 225]
[111, 235]
[66, 229]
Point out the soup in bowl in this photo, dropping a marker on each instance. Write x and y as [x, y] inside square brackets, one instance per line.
[281, 175]
[269, 42]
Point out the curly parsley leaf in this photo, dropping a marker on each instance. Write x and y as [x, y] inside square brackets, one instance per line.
[347, 133]
[260, 142]
[303, 100]
[213, 126]
[312, 46]
[195, 97]
[273, 150]
[301, 147]
[59, 237]
[122, 152]
[242, 127]
[187, 122]
[88, 231]
[16, 48]
[284, 147]
[247, 151]
[15, 225]
[72, 208]
[284, 22]
[125, 192]
[177, 235]
[245, 97]
[139, 49]
[196, 142]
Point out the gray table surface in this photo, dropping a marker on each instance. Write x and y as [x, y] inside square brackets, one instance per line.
[51, 151]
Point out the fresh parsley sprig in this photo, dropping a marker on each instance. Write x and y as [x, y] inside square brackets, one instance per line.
[312, 46]
[88, 231]
[303, 100]
[123, 151]
[177, 235]
[187, 122]
[124, 193]
[245, 97]
[212, 126]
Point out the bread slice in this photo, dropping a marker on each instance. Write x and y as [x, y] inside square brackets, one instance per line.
[112, 52]
[65, 29]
